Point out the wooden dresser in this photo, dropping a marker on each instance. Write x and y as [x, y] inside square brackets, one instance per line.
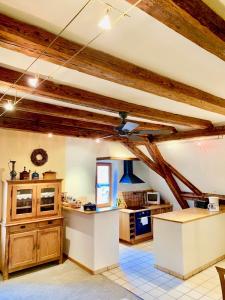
[31, 224]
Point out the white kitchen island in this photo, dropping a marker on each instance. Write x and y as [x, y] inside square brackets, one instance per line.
[92, 238]
[188, 241]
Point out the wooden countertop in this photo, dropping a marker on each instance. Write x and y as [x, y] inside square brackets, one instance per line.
[98, 210]
[188, 214]
[28, 221]
[151, 207]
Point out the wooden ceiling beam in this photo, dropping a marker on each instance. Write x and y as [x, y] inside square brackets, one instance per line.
[78, 114]
[30, 40]
[41, 118]
[41, 127]
[185, 135]
[191, 18]
[74, 95]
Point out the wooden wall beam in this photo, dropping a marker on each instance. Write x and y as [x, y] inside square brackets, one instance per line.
[139, 154]
[204, 196]
[167, 174]
[183, 179]
[191, 18]
[174, 171]
[184, 135]
[74, 95]
[30, 40]
[27, 105]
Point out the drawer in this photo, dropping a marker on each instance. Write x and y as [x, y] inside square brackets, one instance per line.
[156, 211]
[22, 228]
[168, 209]
[49, 223]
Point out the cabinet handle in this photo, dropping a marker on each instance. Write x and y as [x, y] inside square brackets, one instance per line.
[22, 226]
[49, 222]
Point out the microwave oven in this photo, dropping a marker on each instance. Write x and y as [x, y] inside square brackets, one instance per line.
[152, 198]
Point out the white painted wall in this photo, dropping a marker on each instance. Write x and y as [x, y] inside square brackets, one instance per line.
[81, 157]
[74, 160]
[18, 145]
[200, 161]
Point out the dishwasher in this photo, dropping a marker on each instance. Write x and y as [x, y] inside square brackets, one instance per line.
[143, 222]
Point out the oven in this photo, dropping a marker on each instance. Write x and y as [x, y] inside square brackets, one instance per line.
[143, 222]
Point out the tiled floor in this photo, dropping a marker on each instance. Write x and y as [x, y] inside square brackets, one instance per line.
[137, 274]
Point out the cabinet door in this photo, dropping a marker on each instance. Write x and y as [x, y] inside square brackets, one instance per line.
[49, 244]
[23, 201]
[48, 199]
[22, 249]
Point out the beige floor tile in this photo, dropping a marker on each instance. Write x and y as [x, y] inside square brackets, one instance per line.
[194, 294]
[137, 274]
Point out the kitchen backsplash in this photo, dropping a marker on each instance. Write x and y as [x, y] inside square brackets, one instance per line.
[133, 198]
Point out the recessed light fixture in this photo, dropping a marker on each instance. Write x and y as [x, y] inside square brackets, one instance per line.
[105, 22]
[98, 141]
[33, 81]
[9, 106]
[50, 135]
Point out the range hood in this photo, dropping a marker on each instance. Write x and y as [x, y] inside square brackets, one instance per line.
[128, 175]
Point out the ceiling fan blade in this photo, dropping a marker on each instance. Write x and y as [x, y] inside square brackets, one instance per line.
[129, 126]
[105, 137]
[151, 132]
[135, 138]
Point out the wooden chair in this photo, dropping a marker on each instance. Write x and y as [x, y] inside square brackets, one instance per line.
[221, 272]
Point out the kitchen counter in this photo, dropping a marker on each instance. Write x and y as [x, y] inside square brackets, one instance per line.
[188, 241]
[188, 214]
[92, 238]
[151, 207]
[98, 210]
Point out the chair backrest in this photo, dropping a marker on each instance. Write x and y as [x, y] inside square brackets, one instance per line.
[221, 272]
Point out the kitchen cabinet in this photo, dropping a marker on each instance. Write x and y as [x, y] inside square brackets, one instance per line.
[48, 244]
[32, 225]
[22, 249]
[127, 228]
[30, 200]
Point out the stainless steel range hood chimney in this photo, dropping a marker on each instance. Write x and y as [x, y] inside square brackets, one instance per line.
[128, 176]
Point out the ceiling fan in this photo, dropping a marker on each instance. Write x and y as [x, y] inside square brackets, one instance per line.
[127, 129]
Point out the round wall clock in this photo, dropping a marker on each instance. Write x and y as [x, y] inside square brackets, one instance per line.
[39, 157]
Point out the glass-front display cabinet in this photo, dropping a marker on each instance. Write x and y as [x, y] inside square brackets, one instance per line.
[47, 195]
[29, 200]
[23, 201]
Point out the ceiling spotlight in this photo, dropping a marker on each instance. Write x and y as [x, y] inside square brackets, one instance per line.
[105, 22]
[98, 141]
[9, 105]
[50, 135]
[33, 81]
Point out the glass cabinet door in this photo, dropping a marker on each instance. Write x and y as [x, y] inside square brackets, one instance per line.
[47, 199]
[23, 202]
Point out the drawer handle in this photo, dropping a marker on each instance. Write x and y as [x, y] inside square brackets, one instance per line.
[49, 222]
[22, 226]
